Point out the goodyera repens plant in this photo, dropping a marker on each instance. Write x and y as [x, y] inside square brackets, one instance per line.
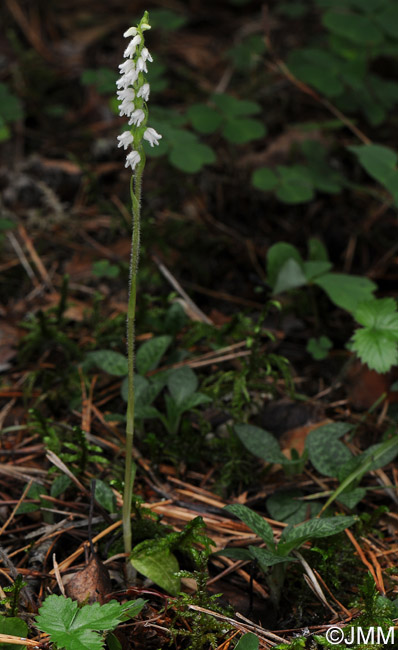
[133, 93]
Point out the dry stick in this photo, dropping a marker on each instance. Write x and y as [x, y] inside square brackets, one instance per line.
[176, 285]
[11, 517]
[361, 554]
[35, 257]
[22, 258]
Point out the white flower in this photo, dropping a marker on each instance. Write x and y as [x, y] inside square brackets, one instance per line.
[126, 108]
[141, 65]
[144, 92]
[145, 26]
[145, 55]
[125, 139]
[131, 47]
[137, 117]
[132, 31]
[133, 159]
[127, 67]
[152, 136]
[127, 93]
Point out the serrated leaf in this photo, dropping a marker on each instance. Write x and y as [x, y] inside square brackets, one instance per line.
[259, 442]
[375, 349]
[182, 383]
[346, 291]
[77, 628]
[159, 565]
[290, 276]
[313, 529]
[277, 255]
[150, 353]
[257, 524]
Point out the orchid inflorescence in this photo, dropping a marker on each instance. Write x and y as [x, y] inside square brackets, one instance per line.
[133, 93]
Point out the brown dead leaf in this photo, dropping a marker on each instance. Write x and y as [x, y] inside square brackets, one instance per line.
[365, 386]
[91, 584]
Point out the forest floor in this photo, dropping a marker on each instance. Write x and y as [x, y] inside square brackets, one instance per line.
[65, 219]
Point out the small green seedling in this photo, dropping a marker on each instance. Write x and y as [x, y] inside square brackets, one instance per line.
[273, 559]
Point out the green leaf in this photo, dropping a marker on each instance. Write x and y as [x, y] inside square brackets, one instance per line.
[109, 361]
[352, 497]
[60, 484]
[376, 343]
[285, 506]
[104, 79]
[10, 106]
[240, 130]
[313, 529]
[77, 628]
[264, 179]
[204, 118]
[266, 559]
[192, 401]
[247, 53]
[381, 164]
[325, 451]
[182, 383]
[15, 627]
[159, 565]
[257, 524]
[233, 107]
[277, 255]
[388, 20]
[346, 291]
[166, 19]
[319, 348]
[104, 269]
[259, 442]
[290, 276]
[105, 496]
[248, 641]
[379, 352]
[150, 353]
[192, 158]
[236, 553]
[295, 184]
[356, 28]
[313, 269]
[7, 224]
[317, 252]
[363, 467]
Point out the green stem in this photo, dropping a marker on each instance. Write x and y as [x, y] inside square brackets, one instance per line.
[130, 467]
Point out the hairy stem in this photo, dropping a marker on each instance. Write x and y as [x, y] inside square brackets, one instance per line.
[130, 467]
